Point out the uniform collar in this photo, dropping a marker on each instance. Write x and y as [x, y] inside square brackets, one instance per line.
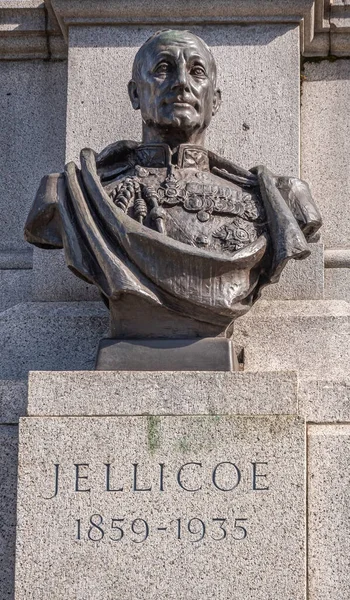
[160, 155]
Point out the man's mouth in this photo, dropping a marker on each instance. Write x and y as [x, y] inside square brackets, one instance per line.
[183, 102]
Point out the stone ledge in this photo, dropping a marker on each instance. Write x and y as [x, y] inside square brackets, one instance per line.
[332, 29]
[310, 337]
[33, 28]
[29, 30]
[16, 259]
[337, 258]
[100, 393]
[123, 12]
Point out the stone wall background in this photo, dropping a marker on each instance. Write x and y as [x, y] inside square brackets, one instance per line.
[53, 104]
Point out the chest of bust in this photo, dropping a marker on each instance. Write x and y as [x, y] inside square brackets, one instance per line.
[194, 206]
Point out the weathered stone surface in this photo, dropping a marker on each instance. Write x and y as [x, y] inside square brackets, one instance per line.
[8, 477]
[329, 512]
[54, 282]
[50, 335]
[13, 400]
[258, 70]
[15, 287]
[137, 393]
[311, 337]
[325, 148]
[33, 104]
[337, 284]
[267, 562]
[301, 279]
[324, 400]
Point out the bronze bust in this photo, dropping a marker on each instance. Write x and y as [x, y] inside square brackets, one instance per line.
[166, 226]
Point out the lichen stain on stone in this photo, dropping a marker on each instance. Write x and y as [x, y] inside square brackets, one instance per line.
[200, 436]
[184, 445]
[213, 412]
[153, 433]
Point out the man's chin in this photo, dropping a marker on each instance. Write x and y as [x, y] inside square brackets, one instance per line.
[181, 119]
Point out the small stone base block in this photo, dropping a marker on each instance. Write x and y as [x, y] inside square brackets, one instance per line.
[206, 354]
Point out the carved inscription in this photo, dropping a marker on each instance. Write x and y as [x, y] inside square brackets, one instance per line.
[138, 530]
[224, 476]
[190, 478]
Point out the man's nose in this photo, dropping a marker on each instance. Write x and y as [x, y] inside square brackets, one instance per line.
[181, 78]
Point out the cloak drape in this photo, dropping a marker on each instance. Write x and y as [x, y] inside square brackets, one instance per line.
[109, 249]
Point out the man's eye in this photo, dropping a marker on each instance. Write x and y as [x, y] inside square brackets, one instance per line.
[198, 71]
[163, 68]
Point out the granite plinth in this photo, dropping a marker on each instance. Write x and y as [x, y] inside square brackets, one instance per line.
[173, 507]
[310, 337]
[329, 511]
[324, 400]
[206, 354]
[8, 476]
[79, 393]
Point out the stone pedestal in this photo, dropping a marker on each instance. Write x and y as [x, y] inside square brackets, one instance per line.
[206, 354]
[202, 496]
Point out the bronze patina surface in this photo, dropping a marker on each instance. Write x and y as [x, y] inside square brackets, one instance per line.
[165, 223]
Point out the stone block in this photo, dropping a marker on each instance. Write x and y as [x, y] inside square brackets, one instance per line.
[15, 287]
[54, 282]
[310, 337]
[32, 136]
[162, 393]
[211, 507]
[189, 354]
[16, 259]
[13, 400]
[258, 71]
[301, 279]
[8, 477]
[337, 284]
[329, 511]
[324, 400]
[325, 147]
[50, 335]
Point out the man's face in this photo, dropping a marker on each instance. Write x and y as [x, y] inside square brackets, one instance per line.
[175, 87]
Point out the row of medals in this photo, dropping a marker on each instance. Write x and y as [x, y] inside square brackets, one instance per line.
[198, 197]
[201, 198]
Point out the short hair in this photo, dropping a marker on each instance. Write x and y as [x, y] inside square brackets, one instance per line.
[137, 64]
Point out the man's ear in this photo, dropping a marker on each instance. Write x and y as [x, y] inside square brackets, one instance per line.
[133, 95]
[216, 101]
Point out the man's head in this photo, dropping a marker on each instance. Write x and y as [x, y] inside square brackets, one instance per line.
[174, 84]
